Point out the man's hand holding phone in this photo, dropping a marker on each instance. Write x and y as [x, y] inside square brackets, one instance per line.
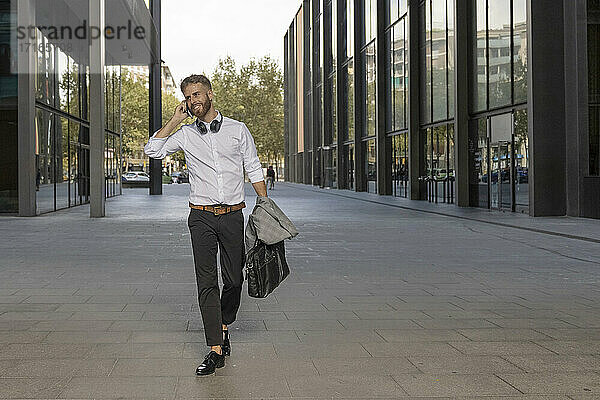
[182, 112]
[180, 115]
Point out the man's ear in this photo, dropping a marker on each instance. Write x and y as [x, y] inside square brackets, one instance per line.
[211, 95]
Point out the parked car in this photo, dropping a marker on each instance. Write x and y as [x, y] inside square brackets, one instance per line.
[180, 177]
[135, 176]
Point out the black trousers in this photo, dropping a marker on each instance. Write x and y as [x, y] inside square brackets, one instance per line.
[224, 232]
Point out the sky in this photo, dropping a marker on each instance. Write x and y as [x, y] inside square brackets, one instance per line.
[197, 33]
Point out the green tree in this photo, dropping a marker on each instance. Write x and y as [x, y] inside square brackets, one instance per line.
[135, 116]
[253, 95]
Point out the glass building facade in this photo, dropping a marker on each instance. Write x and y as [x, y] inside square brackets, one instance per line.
[60, 74]
[434, 100]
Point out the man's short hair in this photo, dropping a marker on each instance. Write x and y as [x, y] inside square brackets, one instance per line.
[192, 79]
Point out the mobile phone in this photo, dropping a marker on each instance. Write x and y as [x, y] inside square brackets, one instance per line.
[188, 111]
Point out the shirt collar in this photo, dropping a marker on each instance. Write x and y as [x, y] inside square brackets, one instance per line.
[217, 118]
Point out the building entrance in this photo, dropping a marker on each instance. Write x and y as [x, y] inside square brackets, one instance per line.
[500, 162]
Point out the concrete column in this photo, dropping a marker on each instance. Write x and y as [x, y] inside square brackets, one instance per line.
[155, 106]
[384, 144]
[576, 96]
[546, 107]
[415, 142]
[340, 84]
[360, 175]
[461, 101]
[26, 113]
[97, 117]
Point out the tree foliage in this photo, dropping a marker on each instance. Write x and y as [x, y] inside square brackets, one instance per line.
[253, 95]
[136, 115]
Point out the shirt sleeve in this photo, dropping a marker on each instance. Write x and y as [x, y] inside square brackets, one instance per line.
[159, 148]
[251, 161]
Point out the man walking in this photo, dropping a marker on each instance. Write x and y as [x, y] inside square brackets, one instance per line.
[217, 151]
[271, 177]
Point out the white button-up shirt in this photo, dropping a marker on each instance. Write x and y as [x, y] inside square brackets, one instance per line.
[215, 160]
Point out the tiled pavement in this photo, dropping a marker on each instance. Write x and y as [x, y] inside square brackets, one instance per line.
[382, 302]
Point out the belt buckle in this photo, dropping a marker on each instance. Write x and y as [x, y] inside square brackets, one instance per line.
[216, 209]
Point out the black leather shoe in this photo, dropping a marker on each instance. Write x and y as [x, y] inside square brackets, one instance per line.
[226, 344]
[211, 362]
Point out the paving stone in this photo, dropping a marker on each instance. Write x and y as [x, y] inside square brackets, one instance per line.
[452, 364]
[555, 383]
[454, 385]
[30, 388]
[120, 387]
[231, 387]
[87, 337]
[420, 335]
[369, 366]
[410, 349]
[500, 348]
[59, 368]
[344, 386]
[556, 363]
[356, 336]
[502, 335]
[424, 316]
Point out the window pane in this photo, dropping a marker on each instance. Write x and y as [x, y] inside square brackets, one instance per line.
[333, 30]
[62, 75]
[521, 160]
[74, 89]
[62, 163]
[389, 81]
[46, 75]
[370, 8]
[499, 52]
[350, 28]
[371, 167]
[334, 112]
[371, 93]
[451, 163]
[425, 44]
[350, 100]
[520, 50]
[399, 76]
[74, 167]
[438, 60]
[392, 14]
[402, 7]
[44, 157]
[450, 57]
[480, 58]
[428, 151]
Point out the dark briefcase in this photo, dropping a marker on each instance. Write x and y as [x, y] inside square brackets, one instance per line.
[266, 268]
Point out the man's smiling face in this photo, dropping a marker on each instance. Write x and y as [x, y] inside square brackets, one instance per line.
[198, 98]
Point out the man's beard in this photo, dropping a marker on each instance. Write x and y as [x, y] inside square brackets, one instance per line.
[201, 113]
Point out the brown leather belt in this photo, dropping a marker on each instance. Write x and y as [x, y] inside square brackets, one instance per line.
[219, 209]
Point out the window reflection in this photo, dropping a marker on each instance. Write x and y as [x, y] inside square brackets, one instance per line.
[371, 90]
[371, 167]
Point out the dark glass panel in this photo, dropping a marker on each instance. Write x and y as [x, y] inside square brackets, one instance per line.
[45, 177]
[520, 50]
[521, 156]
[350, 100]
[62, 77]
[399, 78]
[450, 58]
[61, 162]
[480, 55]
[371, 166]
[371, 92]
[438, 60]
[499, 40]
[389, 82]
[425, 49]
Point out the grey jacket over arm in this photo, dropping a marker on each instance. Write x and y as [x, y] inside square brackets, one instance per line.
[268, 224]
